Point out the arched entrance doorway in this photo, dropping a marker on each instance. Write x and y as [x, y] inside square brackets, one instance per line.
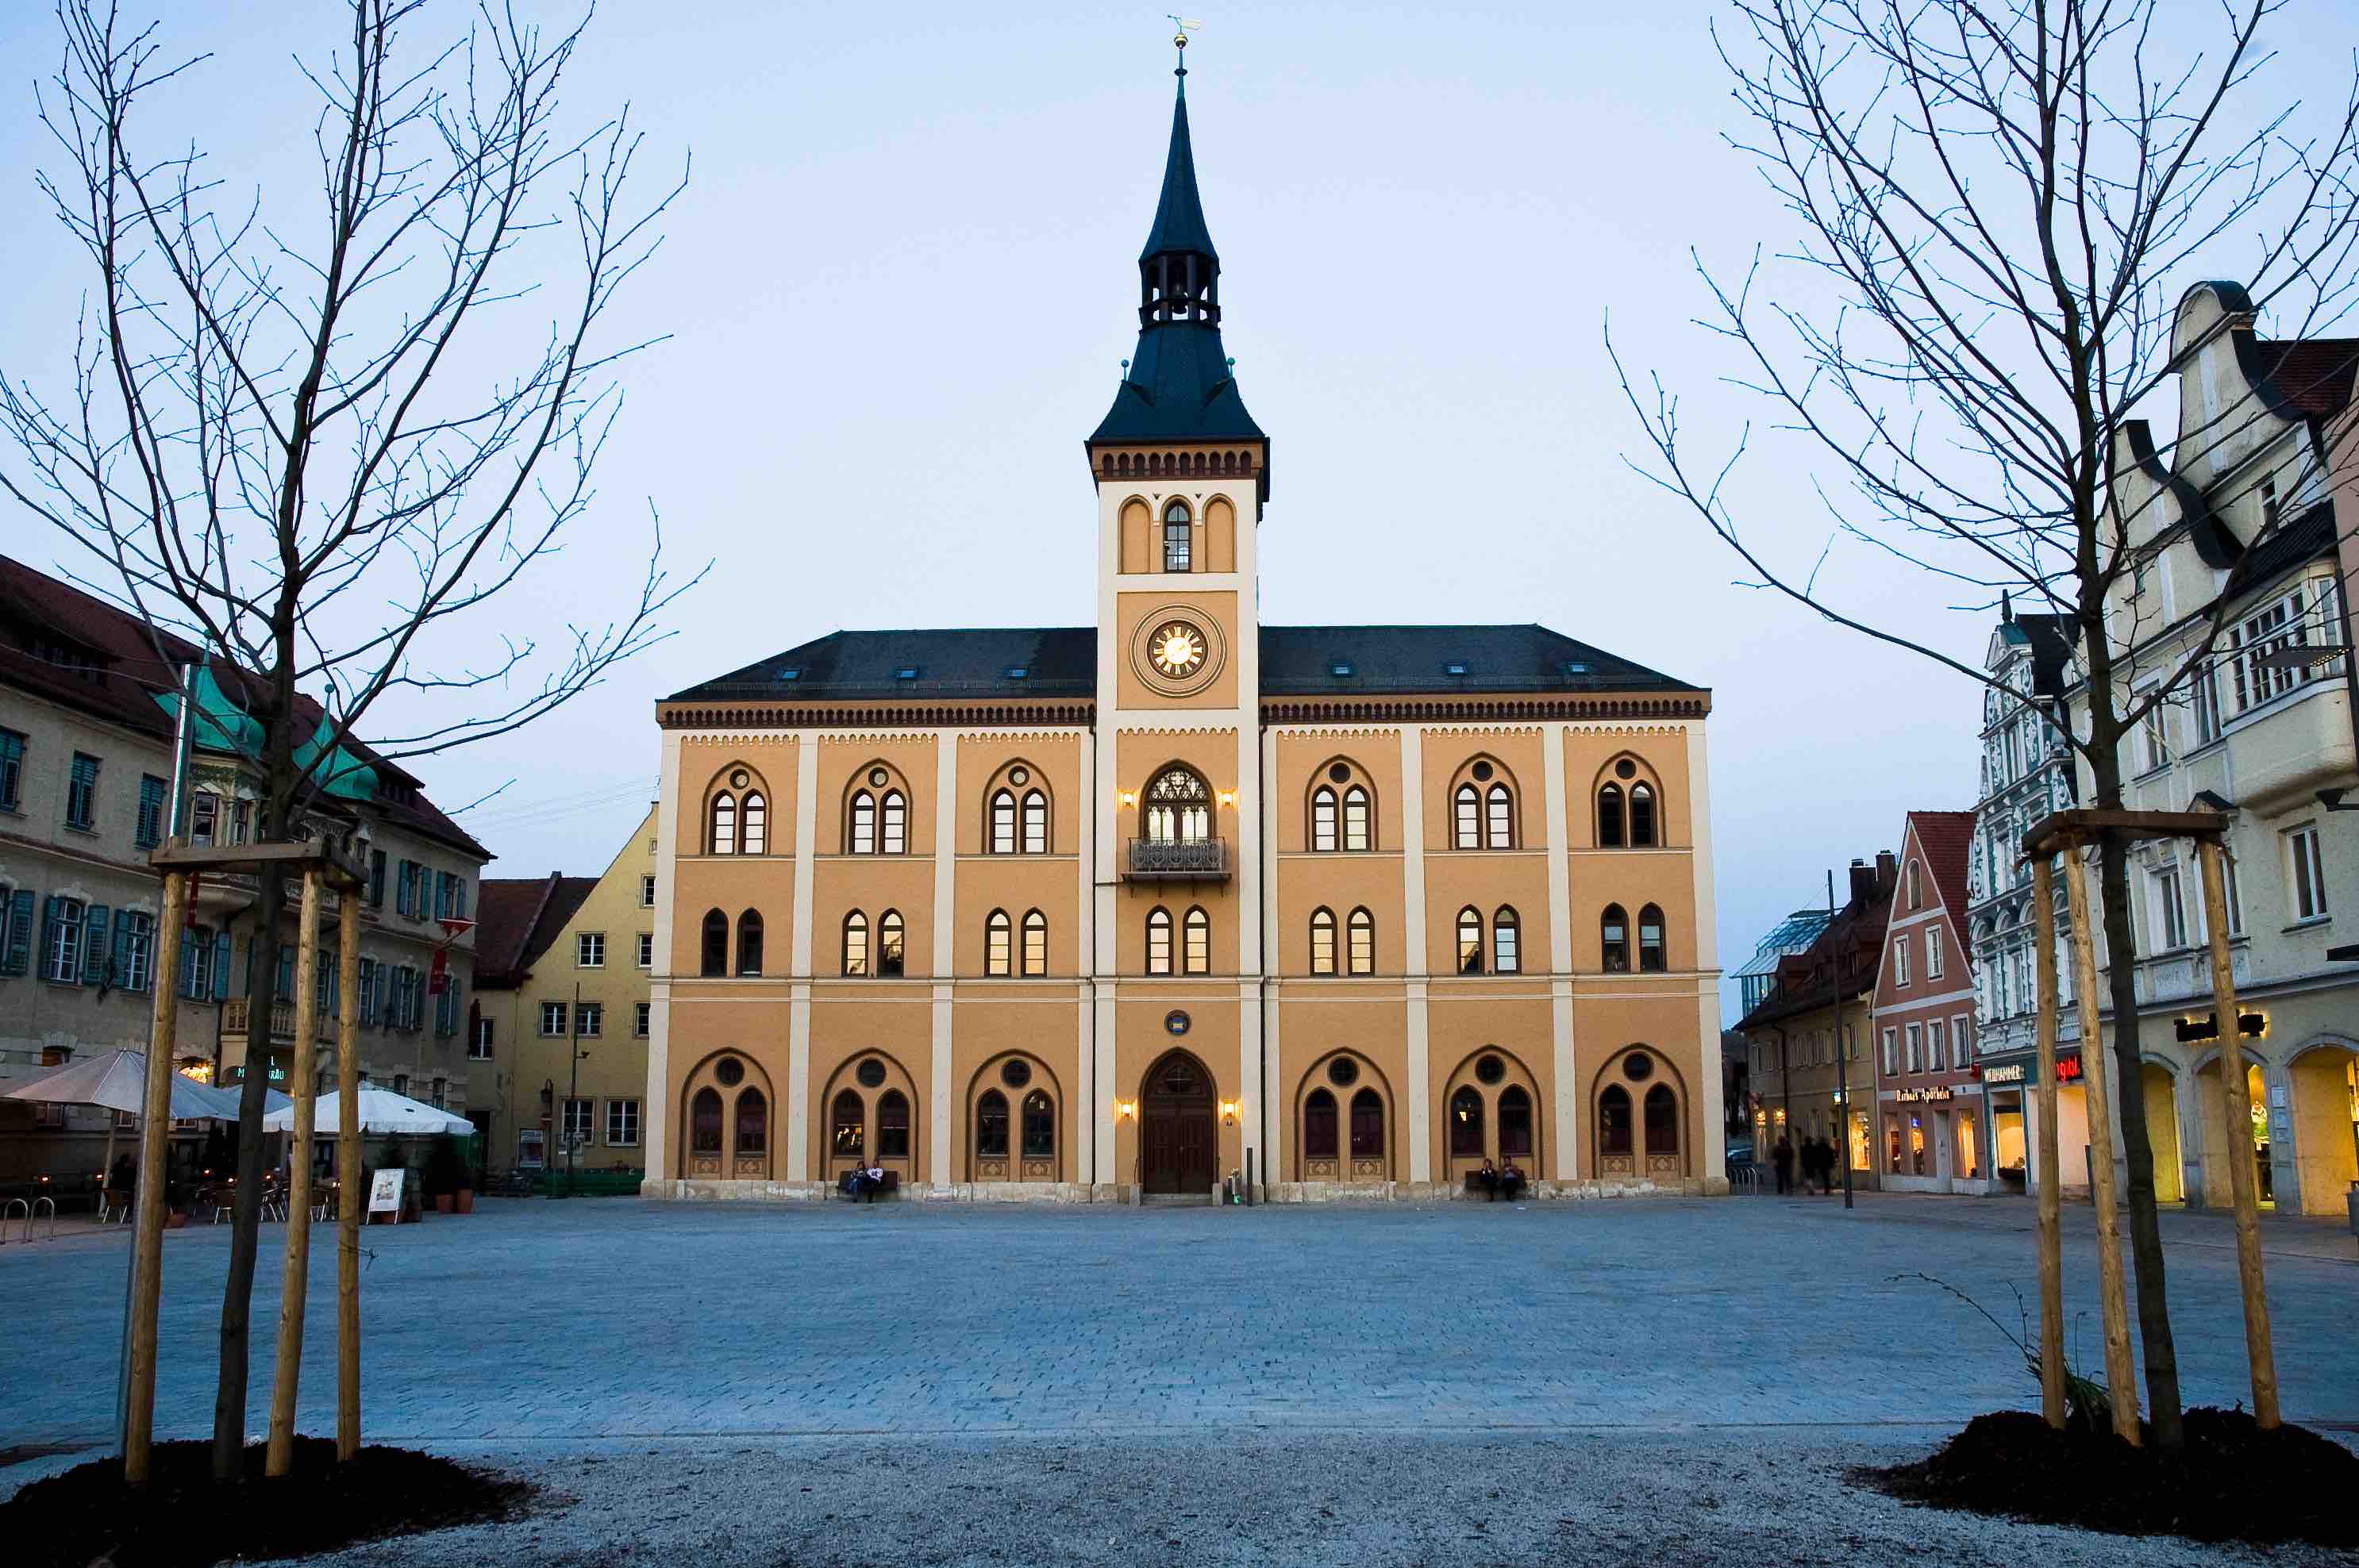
[1180, 1141]
[2161, 1092]
[2324, 1082]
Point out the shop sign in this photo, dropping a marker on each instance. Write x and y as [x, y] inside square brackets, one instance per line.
[1938, 1092]
[2004, 1072]
[2195, 1029]
[2068, 1069]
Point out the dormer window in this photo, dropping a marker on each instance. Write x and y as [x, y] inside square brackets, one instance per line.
[1018, 671]
[907, 672]
[790, 674]
[1454, 667]
[1576, 667]
[1339, 669]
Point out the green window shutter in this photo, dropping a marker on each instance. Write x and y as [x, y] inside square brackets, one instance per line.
[16, 956]
[53, 911]
[220, 967]
[94, 950]
[286, 991]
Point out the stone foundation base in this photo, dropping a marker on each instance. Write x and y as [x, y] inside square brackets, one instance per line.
[715, 1191]
[1451, 1192]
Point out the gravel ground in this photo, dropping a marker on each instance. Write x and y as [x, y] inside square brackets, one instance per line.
[1358, 1498]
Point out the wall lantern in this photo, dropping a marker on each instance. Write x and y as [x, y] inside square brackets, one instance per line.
[1228, 798]
[1228, 1113]
[1126, 797]
[1125, 1109]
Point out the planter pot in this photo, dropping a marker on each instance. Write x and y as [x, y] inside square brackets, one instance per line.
[466, 1200]
[174, 1221]
[444, 1203]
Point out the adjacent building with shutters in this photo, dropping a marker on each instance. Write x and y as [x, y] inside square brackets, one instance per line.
[1131, 906]
[1932, 1126]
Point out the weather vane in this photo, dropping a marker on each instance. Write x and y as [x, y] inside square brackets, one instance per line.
[1181, 28]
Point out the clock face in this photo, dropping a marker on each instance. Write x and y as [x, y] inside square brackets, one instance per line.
[1177, 649]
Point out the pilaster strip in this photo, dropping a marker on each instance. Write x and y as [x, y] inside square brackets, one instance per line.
[662, 1114]
[948, 808]
[1565, 1143]
[1420, 1087]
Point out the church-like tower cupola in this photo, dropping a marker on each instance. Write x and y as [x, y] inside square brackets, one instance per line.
[1178, 271]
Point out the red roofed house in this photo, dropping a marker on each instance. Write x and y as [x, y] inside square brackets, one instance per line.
[1929, 1115]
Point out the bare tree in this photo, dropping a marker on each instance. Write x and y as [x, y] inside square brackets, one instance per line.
[1996, 210]
[322, 444]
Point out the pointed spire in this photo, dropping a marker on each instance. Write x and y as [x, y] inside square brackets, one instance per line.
[1179, 227]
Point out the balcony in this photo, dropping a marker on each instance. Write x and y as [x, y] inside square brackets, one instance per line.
[2177, 977]
[1169, 859]
[236, 1020]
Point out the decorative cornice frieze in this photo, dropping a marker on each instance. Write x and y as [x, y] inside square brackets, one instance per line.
[1376, 708]
[1079, 712]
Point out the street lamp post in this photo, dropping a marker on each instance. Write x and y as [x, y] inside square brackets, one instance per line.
[573, 1089]
[1843, 1074]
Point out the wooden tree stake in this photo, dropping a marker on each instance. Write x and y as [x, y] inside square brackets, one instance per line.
[2121, 1372]
[2052, 1241]
[155, 1127]
[2237, 1106]
[349, 1199]
[296, 1278]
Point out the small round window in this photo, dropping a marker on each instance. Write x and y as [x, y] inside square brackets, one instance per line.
[879, 777]
[1017, 1073]
[1344, 1072]
[1340, 773]
[871, 1073]
[1176, 1021]
[1482, 770]
[1491, 1069]
[1625, 769]
[1019, 774]
[729, 1071]
[739, 779]
[1637, 1067]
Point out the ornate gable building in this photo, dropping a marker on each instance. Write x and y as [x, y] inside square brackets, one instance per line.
[1127, 908]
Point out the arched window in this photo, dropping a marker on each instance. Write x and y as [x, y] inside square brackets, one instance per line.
[1609, 817]
[1355, 818]
[1466, 818]
[1319, 1126]
[1003, 822]
[896, 811]
[1613, 1120]
[1642, 815]
[753, 1121]
[758, 833]
[888, 941]
[716, 944]
[864, 824]
[1367, 1125]
[1197, 954]
[1179, 808]
[1507, 957]
[991, 1125]
[1613, 933]
[855, 944]
[1175, 537]
[997, 937]
[1469, 941]
[1322, 941]
[1915, 886]
[1040, 1127]
[1322, 819]
[1651, 955]
[1036, 943]
[1499, 818]
[1515, 1122]
[1036, 823]
[1361, 950]
[723, 839]
[849, 1121]
[1158, 941]
[893, 1125]
[704, 1122]
[749, 943]
[1662, 1120]
[1466, 1124]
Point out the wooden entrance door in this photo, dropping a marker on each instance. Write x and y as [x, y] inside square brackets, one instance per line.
[1181, 1153]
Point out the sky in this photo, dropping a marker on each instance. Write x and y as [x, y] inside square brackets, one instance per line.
[894, 299]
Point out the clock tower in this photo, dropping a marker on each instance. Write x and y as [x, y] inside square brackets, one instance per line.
[1182, 473]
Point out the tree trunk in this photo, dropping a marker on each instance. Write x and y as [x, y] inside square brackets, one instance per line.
[238, 1291]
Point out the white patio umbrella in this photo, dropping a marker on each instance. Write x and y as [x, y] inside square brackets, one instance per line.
[382, 1110]
[117, 1080]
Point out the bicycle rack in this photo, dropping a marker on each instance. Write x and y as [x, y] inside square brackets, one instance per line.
[33, 1211]
[8, 1212]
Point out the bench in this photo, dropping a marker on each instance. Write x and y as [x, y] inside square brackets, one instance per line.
[868, 1190]
[1496, 1188]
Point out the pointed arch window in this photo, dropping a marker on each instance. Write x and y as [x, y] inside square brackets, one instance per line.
[752, 1122]
[1469, 941]
[855, 944]
[1158, 941]
[1319, 1126]
[749, 943]
[894, 809]
[756, 837]
[1179, 808]
[991, 1125]
[1609, 817]
[1322, 819]
[1506, 932]
[1466, 818]
[1176, 537]
[704, 1122]
[1036, 943]
[1039, 1126]
[1499, 818]
[1662, 1120]
[1003, 822]
[1613, 1120]
[724, 838]
[997, 936]
[716, 944]
[1036, 823]
[1361, 945]
[1355, 818]
[1196, 953]
[1515, 1122]
[864, 823]
[889, 945]
[848, 1124]
[893, 1125]
[1915, 886]
[1466, 1124]
[1642, 815]
[1613, 933]
[1322, 941]
[1367, 1125]
[1652, 954]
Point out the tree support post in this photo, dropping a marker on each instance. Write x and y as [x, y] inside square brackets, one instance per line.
[349, 1197]
[296, 1277]
[2237, 1106]
[2121, 1372]
[2051, 1241]
[155, 1127]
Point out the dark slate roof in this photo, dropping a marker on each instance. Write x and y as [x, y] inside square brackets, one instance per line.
[1178, 388]
[515, 920]
[1296, 661]
[2306, 536]
[2312, 374]
[1179, 212]
[2052, 638]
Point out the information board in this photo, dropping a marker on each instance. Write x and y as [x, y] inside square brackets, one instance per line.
[385, 1191]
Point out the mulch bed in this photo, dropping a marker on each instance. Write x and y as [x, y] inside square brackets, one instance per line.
[181, 1517]
[2233, 1482]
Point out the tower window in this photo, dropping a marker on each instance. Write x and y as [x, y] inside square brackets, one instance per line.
[1177, 537]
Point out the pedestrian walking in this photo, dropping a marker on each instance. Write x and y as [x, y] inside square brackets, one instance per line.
[1783, 1158]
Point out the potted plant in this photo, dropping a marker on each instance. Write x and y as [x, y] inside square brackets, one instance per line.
[443, 1172]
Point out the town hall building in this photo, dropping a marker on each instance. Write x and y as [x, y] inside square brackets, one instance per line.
[1126, 909]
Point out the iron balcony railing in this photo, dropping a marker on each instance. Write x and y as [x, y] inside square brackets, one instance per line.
[1151, 858]
[235, 1020]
